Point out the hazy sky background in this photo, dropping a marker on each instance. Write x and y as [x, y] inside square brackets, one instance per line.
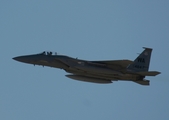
[91, 30]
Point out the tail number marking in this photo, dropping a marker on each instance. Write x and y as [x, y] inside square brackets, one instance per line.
[141, 60]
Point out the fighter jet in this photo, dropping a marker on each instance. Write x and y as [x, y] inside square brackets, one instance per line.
[96, 71]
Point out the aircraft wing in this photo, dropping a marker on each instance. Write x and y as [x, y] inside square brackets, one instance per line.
[121, 63]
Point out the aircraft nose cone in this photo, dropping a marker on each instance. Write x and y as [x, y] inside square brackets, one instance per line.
[25, 59]
[18, 59]
[15, 58]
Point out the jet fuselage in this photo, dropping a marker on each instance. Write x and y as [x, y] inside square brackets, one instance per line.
[96, 71]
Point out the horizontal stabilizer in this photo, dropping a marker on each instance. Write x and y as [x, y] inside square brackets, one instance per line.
[148, 73]
[143, 82]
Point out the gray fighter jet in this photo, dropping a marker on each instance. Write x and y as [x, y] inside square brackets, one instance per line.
[96, 71]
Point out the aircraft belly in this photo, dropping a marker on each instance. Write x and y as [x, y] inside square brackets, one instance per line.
[103, 73]
[88, 79]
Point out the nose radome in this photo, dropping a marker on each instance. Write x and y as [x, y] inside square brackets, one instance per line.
[18, 59]
[25, 59]
[15, 58]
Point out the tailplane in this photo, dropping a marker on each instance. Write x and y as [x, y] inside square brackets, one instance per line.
[148, 73]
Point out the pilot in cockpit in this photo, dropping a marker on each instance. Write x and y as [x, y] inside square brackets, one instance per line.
[44, 53]
[49, 53]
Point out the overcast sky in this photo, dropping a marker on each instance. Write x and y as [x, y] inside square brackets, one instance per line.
[90, 30]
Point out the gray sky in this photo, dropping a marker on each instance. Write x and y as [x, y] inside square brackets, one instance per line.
[91, 30]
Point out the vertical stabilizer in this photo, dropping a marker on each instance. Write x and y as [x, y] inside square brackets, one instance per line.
[141, 63]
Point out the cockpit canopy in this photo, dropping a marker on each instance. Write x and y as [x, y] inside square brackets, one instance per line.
[48, 53]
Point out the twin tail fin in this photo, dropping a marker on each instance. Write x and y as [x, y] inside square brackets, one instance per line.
[141, 64]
